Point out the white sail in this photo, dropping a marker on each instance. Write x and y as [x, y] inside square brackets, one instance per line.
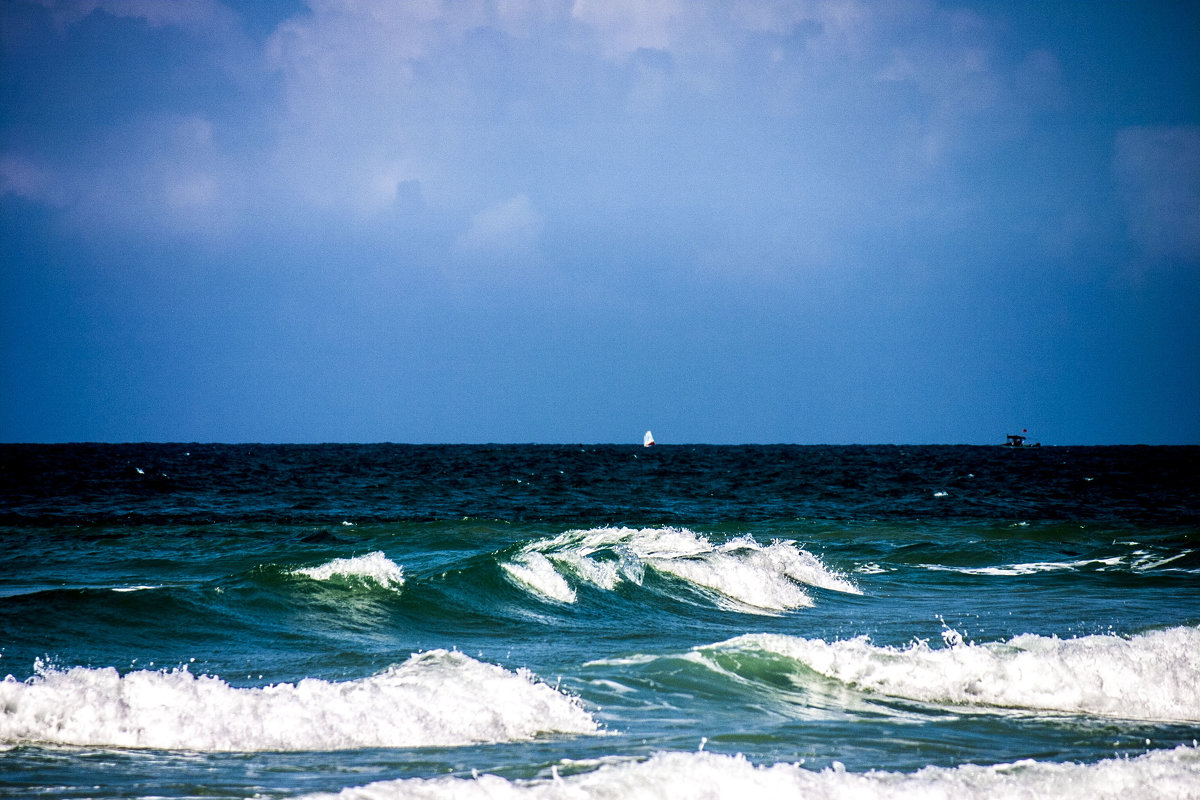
[648, 439]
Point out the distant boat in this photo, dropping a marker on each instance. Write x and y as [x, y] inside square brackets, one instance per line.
[1018, 440]
[648, 439]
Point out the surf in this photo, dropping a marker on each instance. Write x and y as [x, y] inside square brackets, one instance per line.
[434, 699]
[740, 574]
[373, 569]
[1154, 676]
[1158, 774]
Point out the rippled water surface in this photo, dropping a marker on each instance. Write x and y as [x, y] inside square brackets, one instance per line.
[275, 621]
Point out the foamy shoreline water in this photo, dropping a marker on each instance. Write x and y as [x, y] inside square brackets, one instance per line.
[1166, 774]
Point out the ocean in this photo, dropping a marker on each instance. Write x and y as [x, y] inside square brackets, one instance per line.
[599, 621]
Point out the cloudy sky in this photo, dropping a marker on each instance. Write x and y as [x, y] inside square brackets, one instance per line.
[572, 220]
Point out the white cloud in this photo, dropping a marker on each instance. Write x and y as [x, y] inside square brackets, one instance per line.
[501, 248]
[154, 175]
[832, 26]
[194, 15]
[23, 177]
[506, 229]
[388, 108]
[196, 190]
[966, 93]
[624, 26]
[1158, 170]
[378, 93]
[352, 127]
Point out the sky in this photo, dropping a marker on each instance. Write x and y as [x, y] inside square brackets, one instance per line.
[728, 221]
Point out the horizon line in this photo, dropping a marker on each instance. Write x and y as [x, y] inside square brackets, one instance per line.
[239, 443]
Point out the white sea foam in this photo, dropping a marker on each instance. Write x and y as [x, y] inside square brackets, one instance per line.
[437, 698]
[1152, 676]
[1159, 774]
[1144, 561]
[1139, 561]
[373, 567]
[743, 573]
[533, 571]
[1099, 564]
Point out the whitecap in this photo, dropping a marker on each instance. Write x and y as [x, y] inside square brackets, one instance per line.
[1151, 676]
[1033, 567]
[373, 568]
[1158, 774]
[533, 571]
[434, 699]
[742, 573]
[1148, 562]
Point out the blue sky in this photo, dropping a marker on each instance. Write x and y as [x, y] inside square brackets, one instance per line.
[572, 220]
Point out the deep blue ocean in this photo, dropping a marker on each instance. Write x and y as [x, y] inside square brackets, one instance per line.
[599, 621]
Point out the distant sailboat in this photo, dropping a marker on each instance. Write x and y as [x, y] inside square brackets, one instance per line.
[648, 439]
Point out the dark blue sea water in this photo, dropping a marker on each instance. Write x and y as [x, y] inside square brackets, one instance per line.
[187, 620]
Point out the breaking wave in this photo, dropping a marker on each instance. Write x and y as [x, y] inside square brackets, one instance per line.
[1152, 676]
[742, 573]
[1159, 774]
[372, 568]
[1139, 561]
[434, 699]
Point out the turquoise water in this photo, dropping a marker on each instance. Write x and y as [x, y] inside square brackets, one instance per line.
[396, 621]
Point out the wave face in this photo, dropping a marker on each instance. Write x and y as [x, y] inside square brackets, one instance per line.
[740, 574]
[1153, 676]
[437, 698]
[374, 568]
[1163, 774]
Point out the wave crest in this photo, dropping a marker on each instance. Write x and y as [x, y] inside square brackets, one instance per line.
[1152, 676]
[434, 699]
[742, 573]
[372, 568]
